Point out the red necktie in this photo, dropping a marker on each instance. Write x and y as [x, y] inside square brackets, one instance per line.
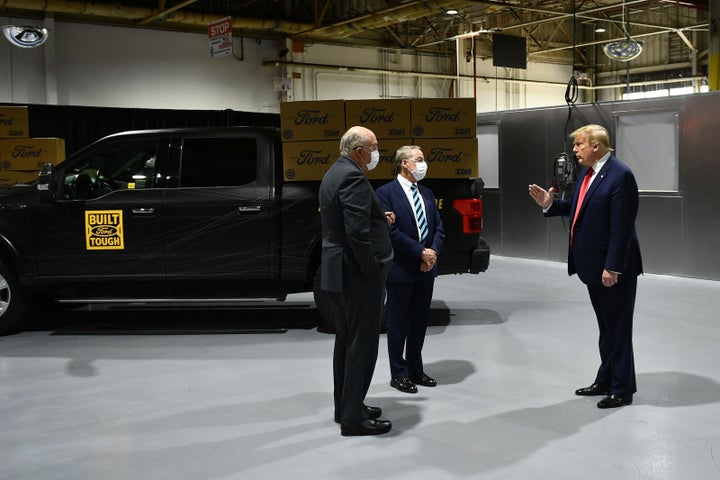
[581, 197]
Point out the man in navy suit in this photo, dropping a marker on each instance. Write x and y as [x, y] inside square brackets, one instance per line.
[417, 236]
[605, 253]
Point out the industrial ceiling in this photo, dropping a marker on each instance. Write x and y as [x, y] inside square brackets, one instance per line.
[555, 31]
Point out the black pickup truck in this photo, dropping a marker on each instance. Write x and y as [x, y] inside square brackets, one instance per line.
[183, 215]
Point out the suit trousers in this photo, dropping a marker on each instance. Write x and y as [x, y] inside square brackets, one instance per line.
[614, 307]
[408, 312]
[357, 323]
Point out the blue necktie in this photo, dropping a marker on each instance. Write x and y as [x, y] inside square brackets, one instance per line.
[419, 215]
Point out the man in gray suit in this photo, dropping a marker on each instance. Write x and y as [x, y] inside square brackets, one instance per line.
[356, 258]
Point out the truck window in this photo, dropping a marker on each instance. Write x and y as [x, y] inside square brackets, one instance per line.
[128, 164]
[216, 162]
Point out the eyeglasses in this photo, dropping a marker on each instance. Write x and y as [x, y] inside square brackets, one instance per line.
[416, 160]
[371, 148]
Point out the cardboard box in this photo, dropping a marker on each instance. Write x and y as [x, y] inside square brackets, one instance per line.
[14, 122]
[308, 160]
[444, 118]
[386, 118]
[320, 120]
[30, 153]
[387, 166]
[450, 157]
[447, 158]
[10, 177]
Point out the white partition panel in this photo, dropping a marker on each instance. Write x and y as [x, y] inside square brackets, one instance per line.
[648, 144]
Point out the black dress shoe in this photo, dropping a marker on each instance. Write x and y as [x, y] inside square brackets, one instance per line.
[403, 384]
[423, 380]
[368, 427]
[614, 401]
[593, 389]
[373, 413]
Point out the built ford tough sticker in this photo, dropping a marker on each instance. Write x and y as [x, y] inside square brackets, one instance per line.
[104, 230]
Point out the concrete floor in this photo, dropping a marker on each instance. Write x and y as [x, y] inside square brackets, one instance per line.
[110, 401]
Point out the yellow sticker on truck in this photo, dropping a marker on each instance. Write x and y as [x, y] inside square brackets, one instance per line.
[104, 230]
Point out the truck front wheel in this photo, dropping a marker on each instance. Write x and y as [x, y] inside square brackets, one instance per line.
[12, 301]
[324, 306]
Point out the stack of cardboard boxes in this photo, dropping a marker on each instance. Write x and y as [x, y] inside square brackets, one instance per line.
[22, 157]
[445, 129]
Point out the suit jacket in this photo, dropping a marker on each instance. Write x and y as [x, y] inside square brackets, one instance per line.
[604, 236]
[354, 228]
[404, 232]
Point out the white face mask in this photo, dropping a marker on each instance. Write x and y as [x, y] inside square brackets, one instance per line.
[420, 171]
[374, 159]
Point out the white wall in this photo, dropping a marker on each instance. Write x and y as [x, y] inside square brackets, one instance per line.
[141, 68]
[22, 70]
[132, 67]
[546, 86]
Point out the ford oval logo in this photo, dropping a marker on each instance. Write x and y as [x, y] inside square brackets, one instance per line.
[104, 231]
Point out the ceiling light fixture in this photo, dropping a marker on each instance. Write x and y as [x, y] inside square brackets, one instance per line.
[26, 36]
[451, 11]
[600, 29]
[626, 49]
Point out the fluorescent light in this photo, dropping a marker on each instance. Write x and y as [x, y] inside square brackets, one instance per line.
[633, 95]
[682, 91]
[662, 92]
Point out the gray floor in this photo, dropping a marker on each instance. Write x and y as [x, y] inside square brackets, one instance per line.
[258, 406]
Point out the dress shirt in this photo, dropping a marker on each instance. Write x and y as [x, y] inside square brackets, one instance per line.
[406, 184]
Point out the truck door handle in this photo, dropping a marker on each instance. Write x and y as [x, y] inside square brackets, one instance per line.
[250, 208]
[143, 211]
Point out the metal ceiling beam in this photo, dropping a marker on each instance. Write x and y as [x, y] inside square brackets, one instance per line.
[411, 11]
[167, 11]
[109, 13]
[349, 31]
[686, 40]
[555, 16]
[552, 15]
[608, 40]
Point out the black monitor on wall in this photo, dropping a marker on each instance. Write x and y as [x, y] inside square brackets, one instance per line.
[509, 51]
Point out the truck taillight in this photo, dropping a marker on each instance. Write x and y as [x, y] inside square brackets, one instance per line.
[471, 211]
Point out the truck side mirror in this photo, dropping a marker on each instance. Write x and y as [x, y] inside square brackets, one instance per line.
[44, 185]
[477, 187]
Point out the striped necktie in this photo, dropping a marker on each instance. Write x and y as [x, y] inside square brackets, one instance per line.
[419, 214]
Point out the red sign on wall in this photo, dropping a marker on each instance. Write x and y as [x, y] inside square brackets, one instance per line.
[220, 36]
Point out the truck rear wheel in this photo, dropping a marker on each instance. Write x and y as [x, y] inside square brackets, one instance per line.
[12, 301]
[324, 306]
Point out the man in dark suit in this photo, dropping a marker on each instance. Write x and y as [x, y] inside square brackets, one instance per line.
[417, 237]
[356, 258]
[605, 253]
